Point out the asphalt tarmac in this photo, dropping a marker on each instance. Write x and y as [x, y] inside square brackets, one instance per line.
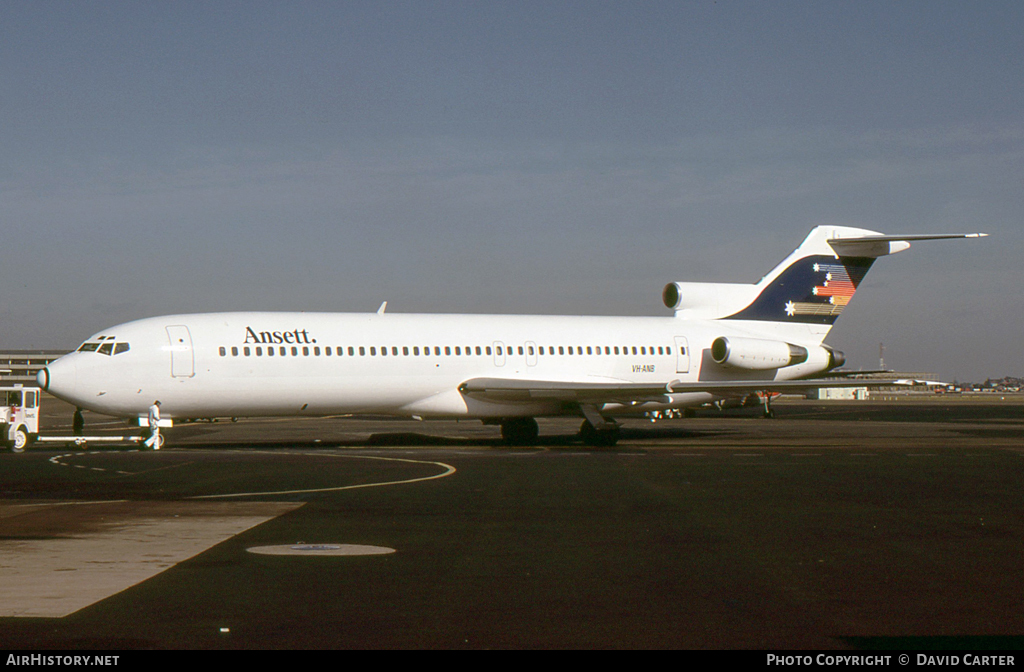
[857, 525]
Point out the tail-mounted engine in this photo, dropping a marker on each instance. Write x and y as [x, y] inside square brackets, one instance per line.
[757, 354]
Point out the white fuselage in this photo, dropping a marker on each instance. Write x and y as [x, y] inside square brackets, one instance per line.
[263, 364]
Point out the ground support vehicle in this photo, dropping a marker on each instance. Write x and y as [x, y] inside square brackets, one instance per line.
[19, 422]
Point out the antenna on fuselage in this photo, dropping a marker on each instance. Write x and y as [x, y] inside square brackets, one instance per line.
[380, 311]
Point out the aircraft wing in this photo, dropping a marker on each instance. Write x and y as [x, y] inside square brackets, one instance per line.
[513, 390]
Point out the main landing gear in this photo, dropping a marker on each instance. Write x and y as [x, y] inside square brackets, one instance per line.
[605, 436]
[596, 430]
[519, 431]
[524, 431]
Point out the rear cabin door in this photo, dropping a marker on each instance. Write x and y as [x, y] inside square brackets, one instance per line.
[682, 355]
[182, 360]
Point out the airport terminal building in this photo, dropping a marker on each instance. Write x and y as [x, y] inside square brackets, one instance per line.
[21, 366]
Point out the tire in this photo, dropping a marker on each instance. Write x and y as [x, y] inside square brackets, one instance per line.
[598, 437]
[520, 431]
[20, 441]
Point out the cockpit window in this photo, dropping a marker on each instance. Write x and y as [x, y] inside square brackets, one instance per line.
[107, 346]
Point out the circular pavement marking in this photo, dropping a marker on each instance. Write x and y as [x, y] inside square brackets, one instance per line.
[321, 549]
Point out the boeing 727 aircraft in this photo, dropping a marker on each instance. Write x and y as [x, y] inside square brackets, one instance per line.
[724, 341]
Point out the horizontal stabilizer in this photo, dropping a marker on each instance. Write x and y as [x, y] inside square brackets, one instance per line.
[881, 245]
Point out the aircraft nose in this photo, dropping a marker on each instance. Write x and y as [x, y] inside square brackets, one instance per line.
[58, 378]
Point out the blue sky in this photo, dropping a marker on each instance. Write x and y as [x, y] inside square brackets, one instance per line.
[524, 157]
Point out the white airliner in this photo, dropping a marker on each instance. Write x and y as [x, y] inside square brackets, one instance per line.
[724, 341]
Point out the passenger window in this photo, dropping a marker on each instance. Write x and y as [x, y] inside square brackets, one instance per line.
[447, 350]
[520, 349]
[394, 350]
[246, 350]
[223, 351]
[283, 351]
[416, 350]
[259, 351]
[305, 351]
[478, 350]
[234, 351]
[383, 351]
[270, 352]
[405, 350]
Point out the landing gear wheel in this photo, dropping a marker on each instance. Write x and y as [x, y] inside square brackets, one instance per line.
[520, 431]
[598, 437]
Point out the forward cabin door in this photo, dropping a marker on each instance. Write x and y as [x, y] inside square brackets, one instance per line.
[182, 360]
[682, 355]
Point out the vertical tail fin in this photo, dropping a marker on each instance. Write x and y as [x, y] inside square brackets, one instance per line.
[815, 283]
[810, 287]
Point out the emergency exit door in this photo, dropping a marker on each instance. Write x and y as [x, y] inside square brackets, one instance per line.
[182, 361]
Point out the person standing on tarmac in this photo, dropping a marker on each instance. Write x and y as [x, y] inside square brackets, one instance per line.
[154, 426]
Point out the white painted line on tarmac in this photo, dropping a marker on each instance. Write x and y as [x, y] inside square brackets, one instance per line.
[448, 471]
[321, 550]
